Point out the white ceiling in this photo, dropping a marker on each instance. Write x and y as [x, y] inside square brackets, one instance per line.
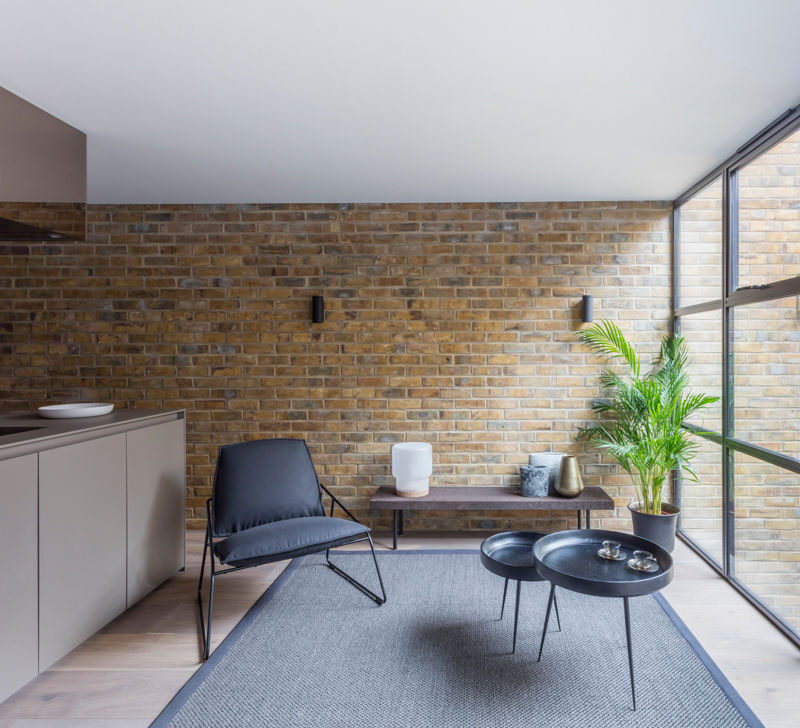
[411, 100]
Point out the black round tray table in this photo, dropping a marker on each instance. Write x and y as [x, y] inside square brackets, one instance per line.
[510, 555]
[569, 559]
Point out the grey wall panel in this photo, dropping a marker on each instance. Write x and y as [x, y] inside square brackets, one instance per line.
[156, 506]
[82, 541]
[18, 573]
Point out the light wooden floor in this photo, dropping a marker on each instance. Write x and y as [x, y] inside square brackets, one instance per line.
[124, 675]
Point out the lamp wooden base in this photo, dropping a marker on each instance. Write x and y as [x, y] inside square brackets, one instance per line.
[412, 493]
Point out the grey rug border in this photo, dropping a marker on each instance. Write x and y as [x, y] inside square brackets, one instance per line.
[177, 702]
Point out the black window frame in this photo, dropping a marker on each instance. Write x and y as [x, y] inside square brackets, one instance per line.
[730, 297]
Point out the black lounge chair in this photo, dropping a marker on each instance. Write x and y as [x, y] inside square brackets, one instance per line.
[265, 506]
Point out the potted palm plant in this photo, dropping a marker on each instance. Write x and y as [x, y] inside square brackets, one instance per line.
[640, 423]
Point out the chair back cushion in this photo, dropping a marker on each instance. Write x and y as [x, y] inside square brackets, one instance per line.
[262, 481]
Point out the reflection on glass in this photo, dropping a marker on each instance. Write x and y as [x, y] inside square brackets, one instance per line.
[701, 502]
[700, 246]
[767, 534]
[765, 342]
[703, 334]
[769, 215]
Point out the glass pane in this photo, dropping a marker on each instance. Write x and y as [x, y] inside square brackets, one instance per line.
[703, 334]
[700, 247]
[767, 535]
[765, 343]
[769, 215]
[701, 502]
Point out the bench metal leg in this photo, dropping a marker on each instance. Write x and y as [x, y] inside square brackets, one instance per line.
[394, 530]
[588, 519]
[400, 525]
[579, 520]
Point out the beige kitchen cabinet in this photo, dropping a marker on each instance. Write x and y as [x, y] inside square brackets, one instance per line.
[156, 506]
[82, 542]
[91, 519]
[18, 576]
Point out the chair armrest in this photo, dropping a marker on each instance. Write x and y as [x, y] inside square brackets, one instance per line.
[336, 501]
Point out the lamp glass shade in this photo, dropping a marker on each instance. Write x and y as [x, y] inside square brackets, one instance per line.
[412, 465]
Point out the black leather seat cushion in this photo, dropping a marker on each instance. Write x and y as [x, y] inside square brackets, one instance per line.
[286, 539]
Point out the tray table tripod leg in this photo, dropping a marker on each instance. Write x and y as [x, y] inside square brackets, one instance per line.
[630, 651]
[503, 606]
[546, 619]
[558, 617]
[516, 619]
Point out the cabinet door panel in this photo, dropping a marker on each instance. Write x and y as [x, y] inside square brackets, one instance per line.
[81, 542]
[156, 506]
[18, 573]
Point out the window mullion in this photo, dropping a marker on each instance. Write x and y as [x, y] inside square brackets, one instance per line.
[729, 198]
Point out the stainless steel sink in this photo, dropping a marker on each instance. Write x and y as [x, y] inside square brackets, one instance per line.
[16, 430]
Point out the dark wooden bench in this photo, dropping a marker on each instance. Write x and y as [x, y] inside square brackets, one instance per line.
[458, 498]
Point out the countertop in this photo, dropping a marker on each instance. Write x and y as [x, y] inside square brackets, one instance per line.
[48, 433]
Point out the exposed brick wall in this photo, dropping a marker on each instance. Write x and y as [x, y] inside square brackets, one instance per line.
[63, 217]
[451, 323]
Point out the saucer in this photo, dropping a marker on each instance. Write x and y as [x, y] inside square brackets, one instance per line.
[604, 555]
[647, 569]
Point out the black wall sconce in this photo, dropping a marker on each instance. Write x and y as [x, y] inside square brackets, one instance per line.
[587, 308]
[317, 309]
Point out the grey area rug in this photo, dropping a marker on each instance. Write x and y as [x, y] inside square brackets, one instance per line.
[315, 652]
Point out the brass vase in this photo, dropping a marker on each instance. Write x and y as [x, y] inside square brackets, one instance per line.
[570, 483]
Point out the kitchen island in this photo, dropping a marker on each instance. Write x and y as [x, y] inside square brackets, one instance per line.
[91, 519]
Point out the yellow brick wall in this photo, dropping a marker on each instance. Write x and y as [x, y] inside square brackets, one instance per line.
[450, 323]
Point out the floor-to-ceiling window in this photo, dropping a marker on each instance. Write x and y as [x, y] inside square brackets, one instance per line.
[737, 303]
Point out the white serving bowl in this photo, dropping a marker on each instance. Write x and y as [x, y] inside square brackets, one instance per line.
[77, 409]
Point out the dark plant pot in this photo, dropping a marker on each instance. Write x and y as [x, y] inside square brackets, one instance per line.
[659, 529]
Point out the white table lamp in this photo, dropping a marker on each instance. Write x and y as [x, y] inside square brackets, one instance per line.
[412, 465]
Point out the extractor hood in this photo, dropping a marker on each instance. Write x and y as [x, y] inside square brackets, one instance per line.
[12, 230]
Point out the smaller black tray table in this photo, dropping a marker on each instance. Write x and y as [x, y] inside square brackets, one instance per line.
[510, 555]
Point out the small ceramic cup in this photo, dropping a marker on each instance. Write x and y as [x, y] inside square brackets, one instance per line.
[611, 548]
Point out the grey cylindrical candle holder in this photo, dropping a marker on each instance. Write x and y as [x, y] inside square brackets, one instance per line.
[534, 480]
[553, 461]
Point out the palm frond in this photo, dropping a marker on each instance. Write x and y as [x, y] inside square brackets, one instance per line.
[605, 338]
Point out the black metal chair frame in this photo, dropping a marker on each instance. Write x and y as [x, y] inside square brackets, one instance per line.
[208, 547]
